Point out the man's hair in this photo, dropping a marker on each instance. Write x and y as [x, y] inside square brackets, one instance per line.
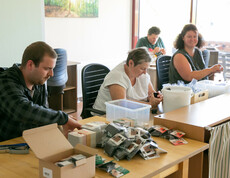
[36, 51]
[154, 30]
[138, 56]
[179, 42]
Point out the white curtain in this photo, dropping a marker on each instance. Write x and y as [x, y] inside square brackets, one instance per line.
[219, 149]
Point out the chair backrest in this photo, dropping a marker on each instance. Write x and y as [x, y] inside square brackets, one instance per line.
[162, 66]
[56, 84]
[3, 69]
[92, 77]
[60, 70]
[206, 57]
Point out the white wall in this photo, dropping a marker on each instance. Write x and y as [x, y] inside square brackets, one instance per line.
[21, 23]
[105, 39]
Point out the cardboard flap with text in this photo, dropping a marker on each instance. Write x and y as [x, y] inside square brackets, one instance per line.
[46, 141]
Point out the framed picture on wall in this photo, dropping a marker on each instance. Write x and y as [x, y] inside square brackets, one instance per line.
[71, 8]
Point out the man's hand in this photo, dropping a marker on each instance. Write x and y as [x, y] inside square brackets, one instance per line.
[70, 125]
[162, 50]
[156, 50]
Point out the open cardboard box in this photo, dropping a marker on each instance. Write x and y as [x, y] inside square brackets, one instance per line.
[200, 96]
[50, 146]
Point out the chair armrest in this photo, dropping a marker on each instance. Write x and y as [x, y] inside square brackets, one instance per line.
[96, 111]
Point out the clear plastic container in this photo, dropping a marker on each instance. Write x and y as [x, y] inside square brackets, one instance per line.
[118, 109]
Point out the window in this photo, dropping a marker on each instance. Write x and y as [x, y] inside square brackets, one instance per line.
[212, 23]
[170, 16]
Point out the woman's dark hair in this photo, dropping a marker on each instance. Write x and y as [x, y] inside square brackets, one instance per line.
[36, 51]
[179, 42]
[138, 56]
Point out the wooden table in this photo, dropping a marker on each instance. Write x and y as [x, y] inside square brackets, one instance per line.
[195, 118]
[175, 161]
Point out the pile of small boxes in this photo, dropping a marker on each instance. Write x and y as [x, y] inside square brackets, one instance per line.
[125, 142]
[90, 134]
[119, 139]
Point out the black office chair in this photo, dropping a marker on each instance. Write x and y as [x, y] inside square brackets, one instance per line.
[206, 57]
[92, 77]
[162, 66]
[56, 84]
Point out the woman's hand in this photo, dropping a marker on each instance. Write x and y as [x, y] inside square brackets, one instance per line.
[217, 68]
[154, 101]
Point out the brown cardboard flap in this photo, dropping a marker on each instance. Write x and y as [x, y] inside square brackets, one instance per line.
[86, 149]
[46, 141]
[80, 162]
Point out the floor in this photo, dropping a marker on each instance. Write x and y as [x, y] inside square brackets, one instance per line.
[79, 109]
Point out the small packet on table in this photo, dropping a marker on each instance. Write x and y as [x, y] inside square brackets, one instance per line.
[148, 150]
[132, 132]
[119, 171]
[177, 133]
[108, 166]
[179, 141]
[99, 160]
[113, 143]
[157, 130]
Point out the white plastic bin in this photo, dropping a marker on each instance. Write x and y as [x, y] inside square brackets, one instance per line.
[214, 88]
[123, 108]
[176, 97]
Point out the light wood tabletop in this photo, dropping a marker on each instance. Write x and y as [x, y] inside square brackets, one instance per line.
[209, 112]
[24, 166]
[194, 121]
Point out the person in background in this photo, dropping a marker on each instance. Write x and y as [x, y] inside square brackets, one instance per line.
[129, 80]
[23, 94]
[153, 42]
[187, 62]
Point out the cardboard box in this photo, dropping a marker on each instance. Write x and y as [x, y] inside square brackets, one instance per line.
[200, 96]
[50, 145]
[84, 136]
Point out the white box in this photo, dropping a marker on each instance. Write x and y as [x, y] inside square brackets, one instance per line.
[97, 127]
[118, 109]
[83, 136]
